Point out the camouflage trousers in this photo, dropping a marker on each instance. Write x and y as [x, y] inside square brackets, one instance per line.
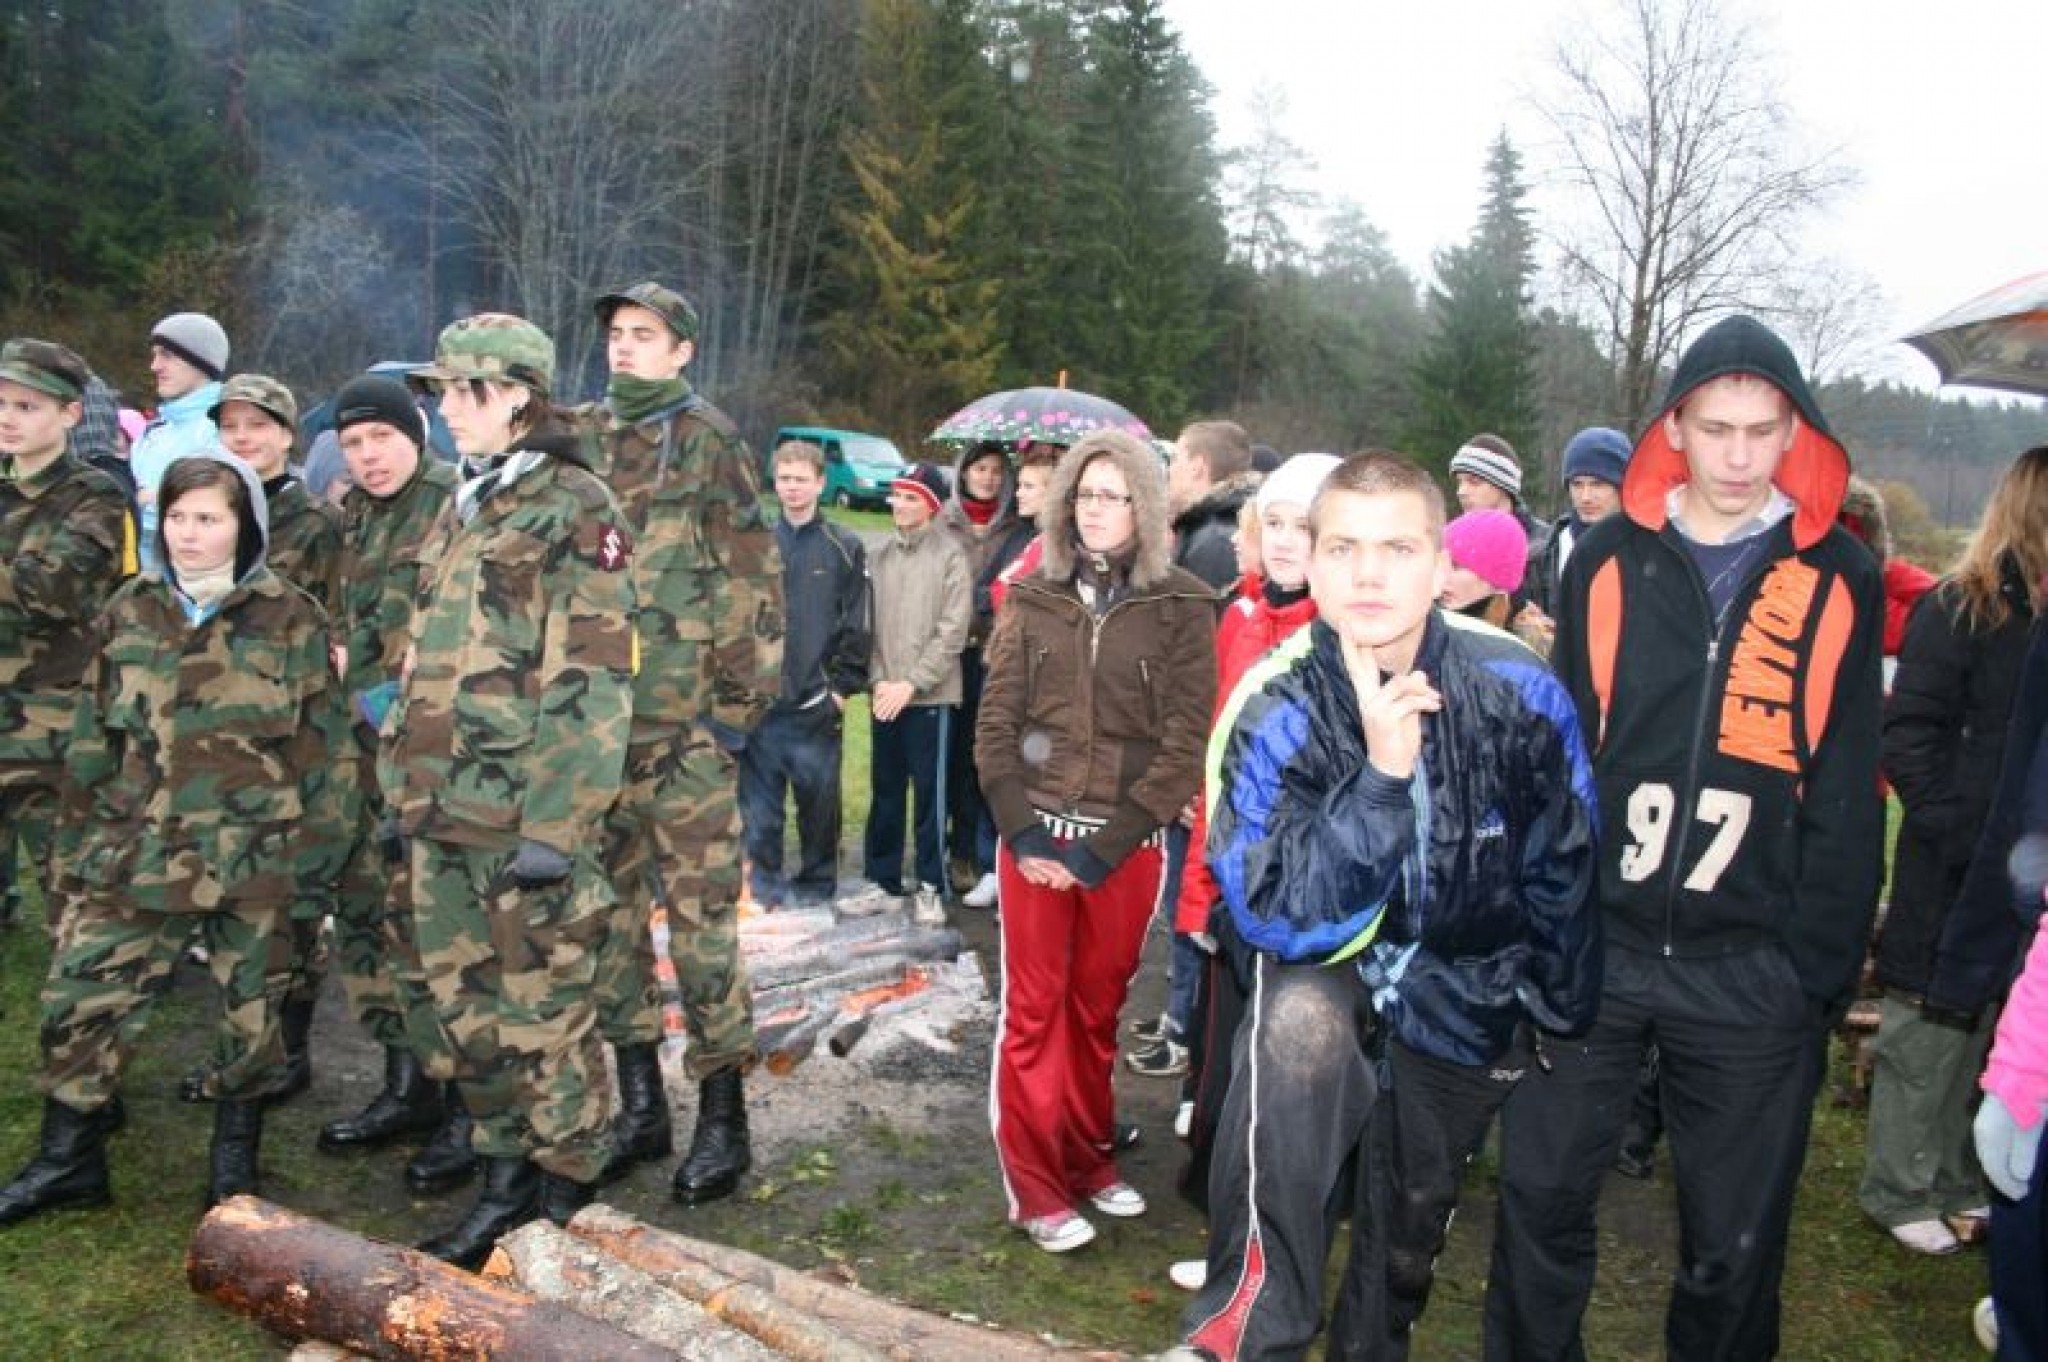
[113, 962]
[673, 839]
[365, 937]
[509, 972]
[28, 817]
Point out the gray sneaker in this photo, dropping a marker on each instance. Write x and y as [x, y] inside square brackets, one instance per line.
[871, 899]
[927, 909]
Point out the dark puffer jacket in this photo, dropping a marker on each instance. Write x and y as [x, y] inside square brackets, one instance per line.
[1202, 533]
[1945, 732]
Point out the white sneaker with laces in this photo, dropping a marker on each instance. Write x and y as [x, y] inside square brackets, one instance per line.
[871, 900]
[1930, 1237]
[1059, 1233]
[926, 907]
[1189, 1273]
[1119, 1199]
[984, 893]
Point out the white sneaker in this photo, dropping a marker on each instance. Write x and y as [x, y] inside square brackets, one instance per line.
[984, 893]
[1119, 1199]
[1984, 1323]
[926, 908]
[1930, 1237]
[1184, 1119]
[1189, 1273]
[1059, 1233]
[871, 900]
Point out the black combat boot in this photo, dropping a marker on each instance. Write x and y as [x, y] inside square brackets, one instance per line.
[510, 1198]
[70, 1166]
[409, 1105]
[561, 1198]
[641, 1133]
[295, 1020]
[719, 1151]
[237, 1131]
[447, 1162]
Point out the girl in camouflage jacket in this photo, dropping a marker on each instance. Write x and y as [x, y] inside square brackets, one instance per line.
[199, 799]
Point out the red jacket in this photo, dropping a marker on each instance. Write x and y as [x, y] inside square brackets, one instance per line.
[1251, 628]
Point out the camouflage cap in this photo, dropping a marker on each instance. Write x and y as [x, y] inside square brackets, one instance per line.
[262, 392]
[665, 303]
[45, 366]
[494, 346]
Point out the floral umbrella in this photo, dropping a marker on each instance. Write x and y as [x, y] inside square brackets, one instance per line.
[1999, 340]
[1053, 416]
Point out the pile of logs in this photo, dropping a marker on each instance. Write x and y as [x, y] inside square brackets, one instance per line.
[608, 1286]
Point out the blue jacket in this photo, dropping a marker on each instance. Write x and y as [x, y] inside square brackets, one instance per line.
[1462, 895]
[182, 426]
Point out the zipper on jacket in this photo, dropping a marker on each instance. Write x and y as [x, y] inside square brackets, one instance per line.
[1683, 807]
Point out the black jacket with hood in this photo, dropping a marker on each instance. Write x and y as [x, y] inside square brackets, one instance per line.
[1737, 762]
[1202, 533]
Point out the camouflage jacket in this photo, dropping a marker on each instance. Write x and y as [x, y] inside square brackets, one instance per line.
[514, 717]
[201, 767]
[705, 564]
[62, 538]
[386, 546]
[305, 541]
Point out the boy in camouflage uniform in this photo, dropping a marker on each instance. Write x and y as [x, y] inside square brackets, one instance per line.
[62, 529]
[200, 798]
[503, 753]
[390, 516]
[258, 422]
[710, 631]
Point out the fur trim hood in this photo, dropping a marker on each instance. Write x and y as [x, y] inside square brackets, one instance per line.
[1147, 480]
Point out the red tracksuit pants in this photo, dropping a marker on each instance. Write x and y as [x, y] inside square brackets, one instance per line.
[1068, 959]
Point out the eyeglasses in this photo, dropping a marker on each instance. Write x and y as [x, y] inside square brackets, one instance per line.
[1088, 496]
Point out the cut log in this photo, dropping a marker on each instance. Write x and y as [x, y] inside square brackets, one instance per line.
[796, 966]
[305, 1279]
[722, 1279]
[556, 1266]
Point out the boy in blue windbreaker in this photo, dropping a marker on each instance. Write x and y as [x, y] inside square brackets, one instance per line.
[1402, 829]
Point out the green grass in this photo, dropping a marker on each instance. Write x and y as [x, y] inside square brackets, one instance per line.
[912, 1214]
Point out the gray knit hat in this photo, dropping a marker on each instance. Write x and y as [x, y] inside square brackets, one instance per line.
[195, 338]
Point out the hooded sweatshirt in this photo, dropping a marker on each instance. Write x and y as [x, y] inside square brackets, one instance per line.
[182, 426]
[1736, 758]
[202, 759]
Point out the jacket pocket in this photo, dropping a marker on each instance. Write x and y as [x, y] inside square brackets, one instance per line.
[498, 665]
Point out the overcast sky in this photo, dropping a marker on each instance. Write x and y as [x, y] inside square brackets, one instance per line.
[1941, 109]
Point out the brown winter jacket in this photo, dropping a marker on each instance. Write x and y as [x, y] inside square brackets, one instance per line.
[1098, 719]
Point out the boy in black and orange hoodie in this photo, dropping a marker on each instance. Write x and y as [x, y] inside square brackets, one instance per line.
[1721, 639]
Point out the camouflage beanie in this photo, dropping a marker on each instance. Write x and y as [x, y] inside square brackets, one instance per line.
[262, 392]
[494, 347]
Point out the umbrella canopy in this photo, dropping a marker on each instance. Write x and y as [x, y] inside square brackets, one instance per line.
[1999, 340]
[1053, 416]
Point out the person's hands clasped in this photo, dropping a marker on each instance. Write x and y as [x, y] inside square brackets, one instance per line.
[1044, 870]
[890, 698]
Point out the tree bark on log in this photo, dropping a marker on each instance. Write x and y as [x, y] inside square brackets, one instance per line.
[718, 1276]
[303, 1278]
[556, 1266]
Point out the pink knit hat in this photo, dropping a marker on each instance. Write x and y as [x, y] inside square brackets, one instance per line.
[1492, 544]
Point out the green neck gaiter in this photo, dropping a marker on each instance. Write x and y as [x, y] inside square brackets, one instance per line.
[635, 399]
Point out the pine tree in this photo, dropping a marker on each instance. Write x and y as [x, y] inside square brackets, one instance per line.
[1144, 193]
[1477, 371]
[916, 333]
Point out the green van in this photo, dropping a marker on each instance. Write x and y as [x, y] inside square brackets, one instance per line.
[858, 467]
